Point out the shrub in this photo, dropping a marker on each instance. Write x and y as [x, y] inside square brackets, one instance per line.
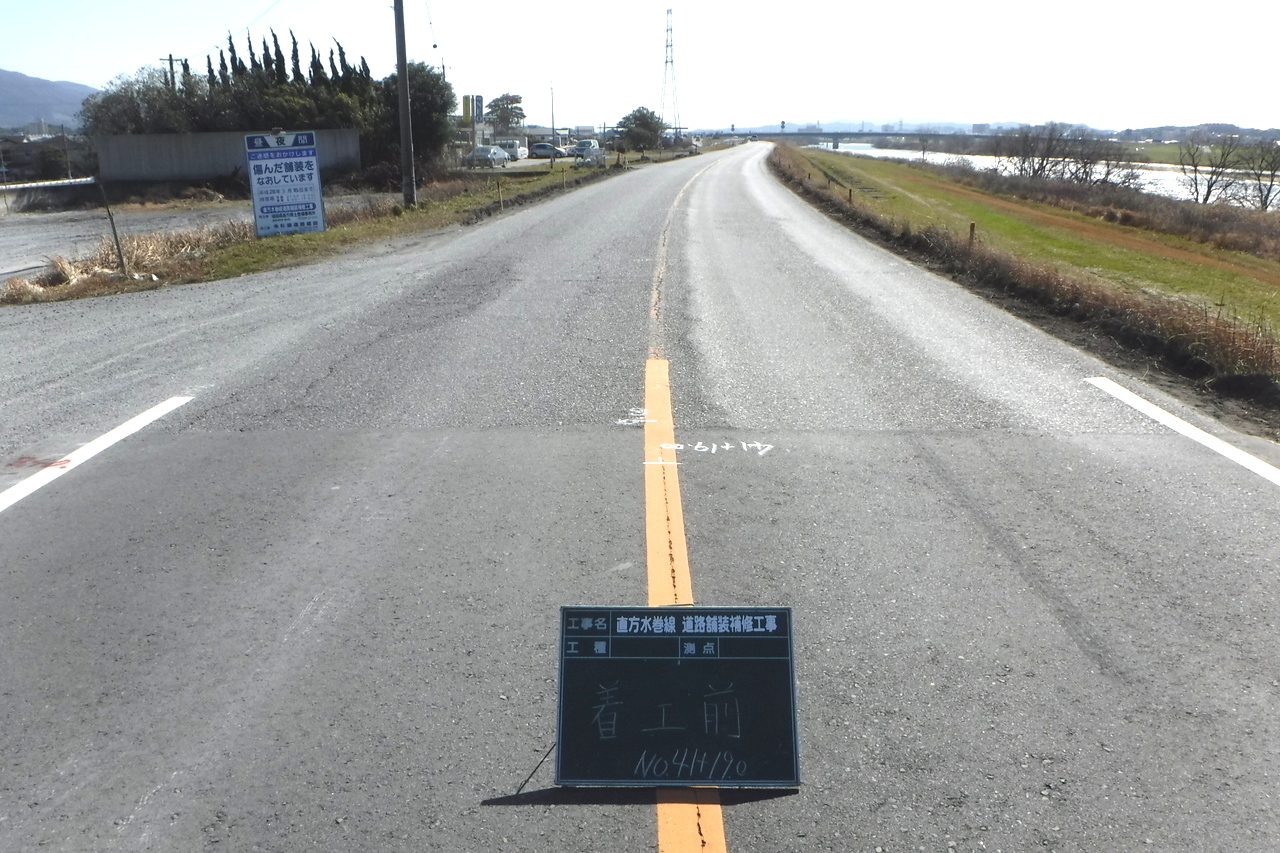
[1187, 337]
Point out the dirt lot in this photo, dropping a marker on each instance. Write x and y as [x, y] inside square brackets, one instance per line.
[28, 239]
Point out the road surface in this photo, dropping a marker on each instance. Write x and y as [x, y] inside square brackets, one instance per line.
[314, 606]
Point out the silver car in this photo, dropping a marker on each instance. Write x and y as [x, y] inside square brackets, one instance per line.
[486, 155]
[545, 150]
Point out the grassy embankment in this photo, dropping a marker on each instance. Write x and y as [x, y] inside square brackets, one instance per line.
[1209, 313]
[231, 249]
[1156, 152]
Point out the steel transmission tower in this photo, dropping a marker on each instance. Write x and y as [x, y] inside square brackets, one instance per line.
[670, 111]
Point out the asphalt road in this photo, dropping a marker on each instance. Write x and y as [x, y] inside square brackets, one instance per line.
[315, 606]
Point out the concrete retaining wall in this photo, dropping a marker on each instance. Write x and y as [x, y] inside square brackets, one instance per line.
[200, 156]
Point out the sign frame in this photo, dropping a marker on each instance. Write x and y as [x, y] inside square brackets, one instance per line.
[284, 177]
[677, 697]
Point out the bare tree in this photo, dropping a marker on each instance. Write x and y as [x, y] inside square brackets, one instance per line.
[1033, 152]
[1092, 160]
[1057, 152]
[1261, 163]
[1208, 166]
[924, 141]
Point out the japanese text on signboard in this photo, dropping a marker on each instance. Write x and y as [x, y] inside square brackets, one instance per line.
[284, 175]
[654, 697]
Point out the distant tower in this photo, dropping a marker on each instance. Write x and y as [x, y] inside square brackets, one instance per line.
[670, 111]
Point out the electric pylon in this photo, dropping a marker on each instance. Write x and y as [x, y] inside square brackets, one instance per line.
[670, 111]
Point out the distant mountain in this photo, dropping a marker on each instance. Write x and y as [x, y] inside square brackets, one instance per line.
[24, 100]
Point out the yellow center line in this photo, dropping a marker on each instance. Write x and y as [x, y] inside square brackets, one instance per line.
[668, 554]
[689, 819]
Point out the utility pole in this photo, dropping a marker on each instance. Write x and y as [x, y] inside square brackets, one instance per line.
[66, 151]
[408, 180]
[173, 79]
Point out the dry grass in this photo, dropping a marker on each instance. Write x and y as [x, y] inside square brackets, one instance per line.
[170, 257]
[1194, 339]
[231, 249]
[155, 259]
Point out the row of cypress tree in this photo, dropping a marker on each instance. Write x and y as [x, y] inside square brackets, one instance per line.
[272, 90]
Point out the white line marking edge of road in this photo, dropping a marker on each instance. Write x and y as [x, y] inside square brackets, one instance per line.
[22, 489]
[1178, 425]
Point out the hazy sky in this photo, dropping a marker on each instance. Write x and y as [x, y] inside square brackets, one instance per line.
[1112, 64]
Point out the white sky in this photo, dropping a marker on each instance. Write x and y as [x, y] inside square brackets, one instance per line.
[1107, 63]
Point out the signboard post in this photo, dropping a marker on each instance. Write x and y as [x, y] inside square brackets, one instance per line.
[677, 697]
[284, 174]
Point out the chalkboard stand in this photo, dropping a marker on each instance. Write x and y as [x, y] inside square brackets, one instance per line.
[677, 697]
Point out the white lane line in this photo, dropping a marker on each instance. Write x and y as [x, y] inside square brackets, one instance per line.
[1178, 425]
[44, 477]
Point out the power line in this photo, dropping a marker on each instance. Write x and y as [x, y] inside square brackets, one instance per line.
[246, 28]
[430, 25]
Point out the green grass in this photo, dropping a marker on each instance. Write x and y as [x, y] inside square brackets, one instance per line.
[1116, 254]
[1156, 152]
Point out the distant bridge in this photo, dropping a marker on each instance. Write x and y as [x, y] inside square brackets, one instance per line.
[860, 135]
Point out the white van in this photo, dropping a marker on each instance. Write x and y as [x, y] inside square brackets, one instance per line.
[515, 148]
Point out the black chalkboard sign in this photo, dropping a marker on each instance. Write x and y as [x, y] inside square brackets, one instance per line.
[677, 696]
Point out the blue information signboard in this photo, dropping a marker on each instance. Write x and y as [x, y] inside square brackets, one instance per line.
[284, 175]
[677, 696]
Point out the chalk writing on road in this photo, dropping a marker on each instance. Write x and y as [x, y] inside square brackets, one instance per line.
[758, 447]
[635, 417]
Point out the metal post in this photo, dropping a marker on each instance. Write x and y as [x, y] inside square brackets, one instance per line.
[408, 180]
[124, 267]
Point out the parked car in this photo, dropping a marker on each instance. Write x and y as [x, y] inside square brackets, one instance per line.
[584, 148]
[545, 150]
[486, 155]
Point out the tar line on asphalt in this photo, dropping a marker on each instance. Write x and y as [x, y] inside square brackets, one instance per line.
[689, 819]
[54, 470]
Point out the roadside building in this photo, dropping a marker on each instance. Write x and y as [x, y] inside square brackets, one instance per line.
[43, 158]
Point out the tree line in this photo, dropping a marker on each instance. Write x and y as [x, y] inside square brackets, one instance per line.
[1216, 168]
[1060, 152]
[273, 90]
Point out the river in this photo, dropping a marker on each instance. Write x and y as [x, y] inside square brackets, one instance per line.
[1157, 178]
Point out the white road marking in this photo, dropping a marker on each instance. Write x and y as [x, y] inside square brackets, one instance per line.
[1178, 425]
[17, 492]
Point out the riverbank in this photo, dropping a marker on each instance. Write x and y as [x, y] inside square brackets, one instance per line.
[1158, 176]
[1201, 317]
